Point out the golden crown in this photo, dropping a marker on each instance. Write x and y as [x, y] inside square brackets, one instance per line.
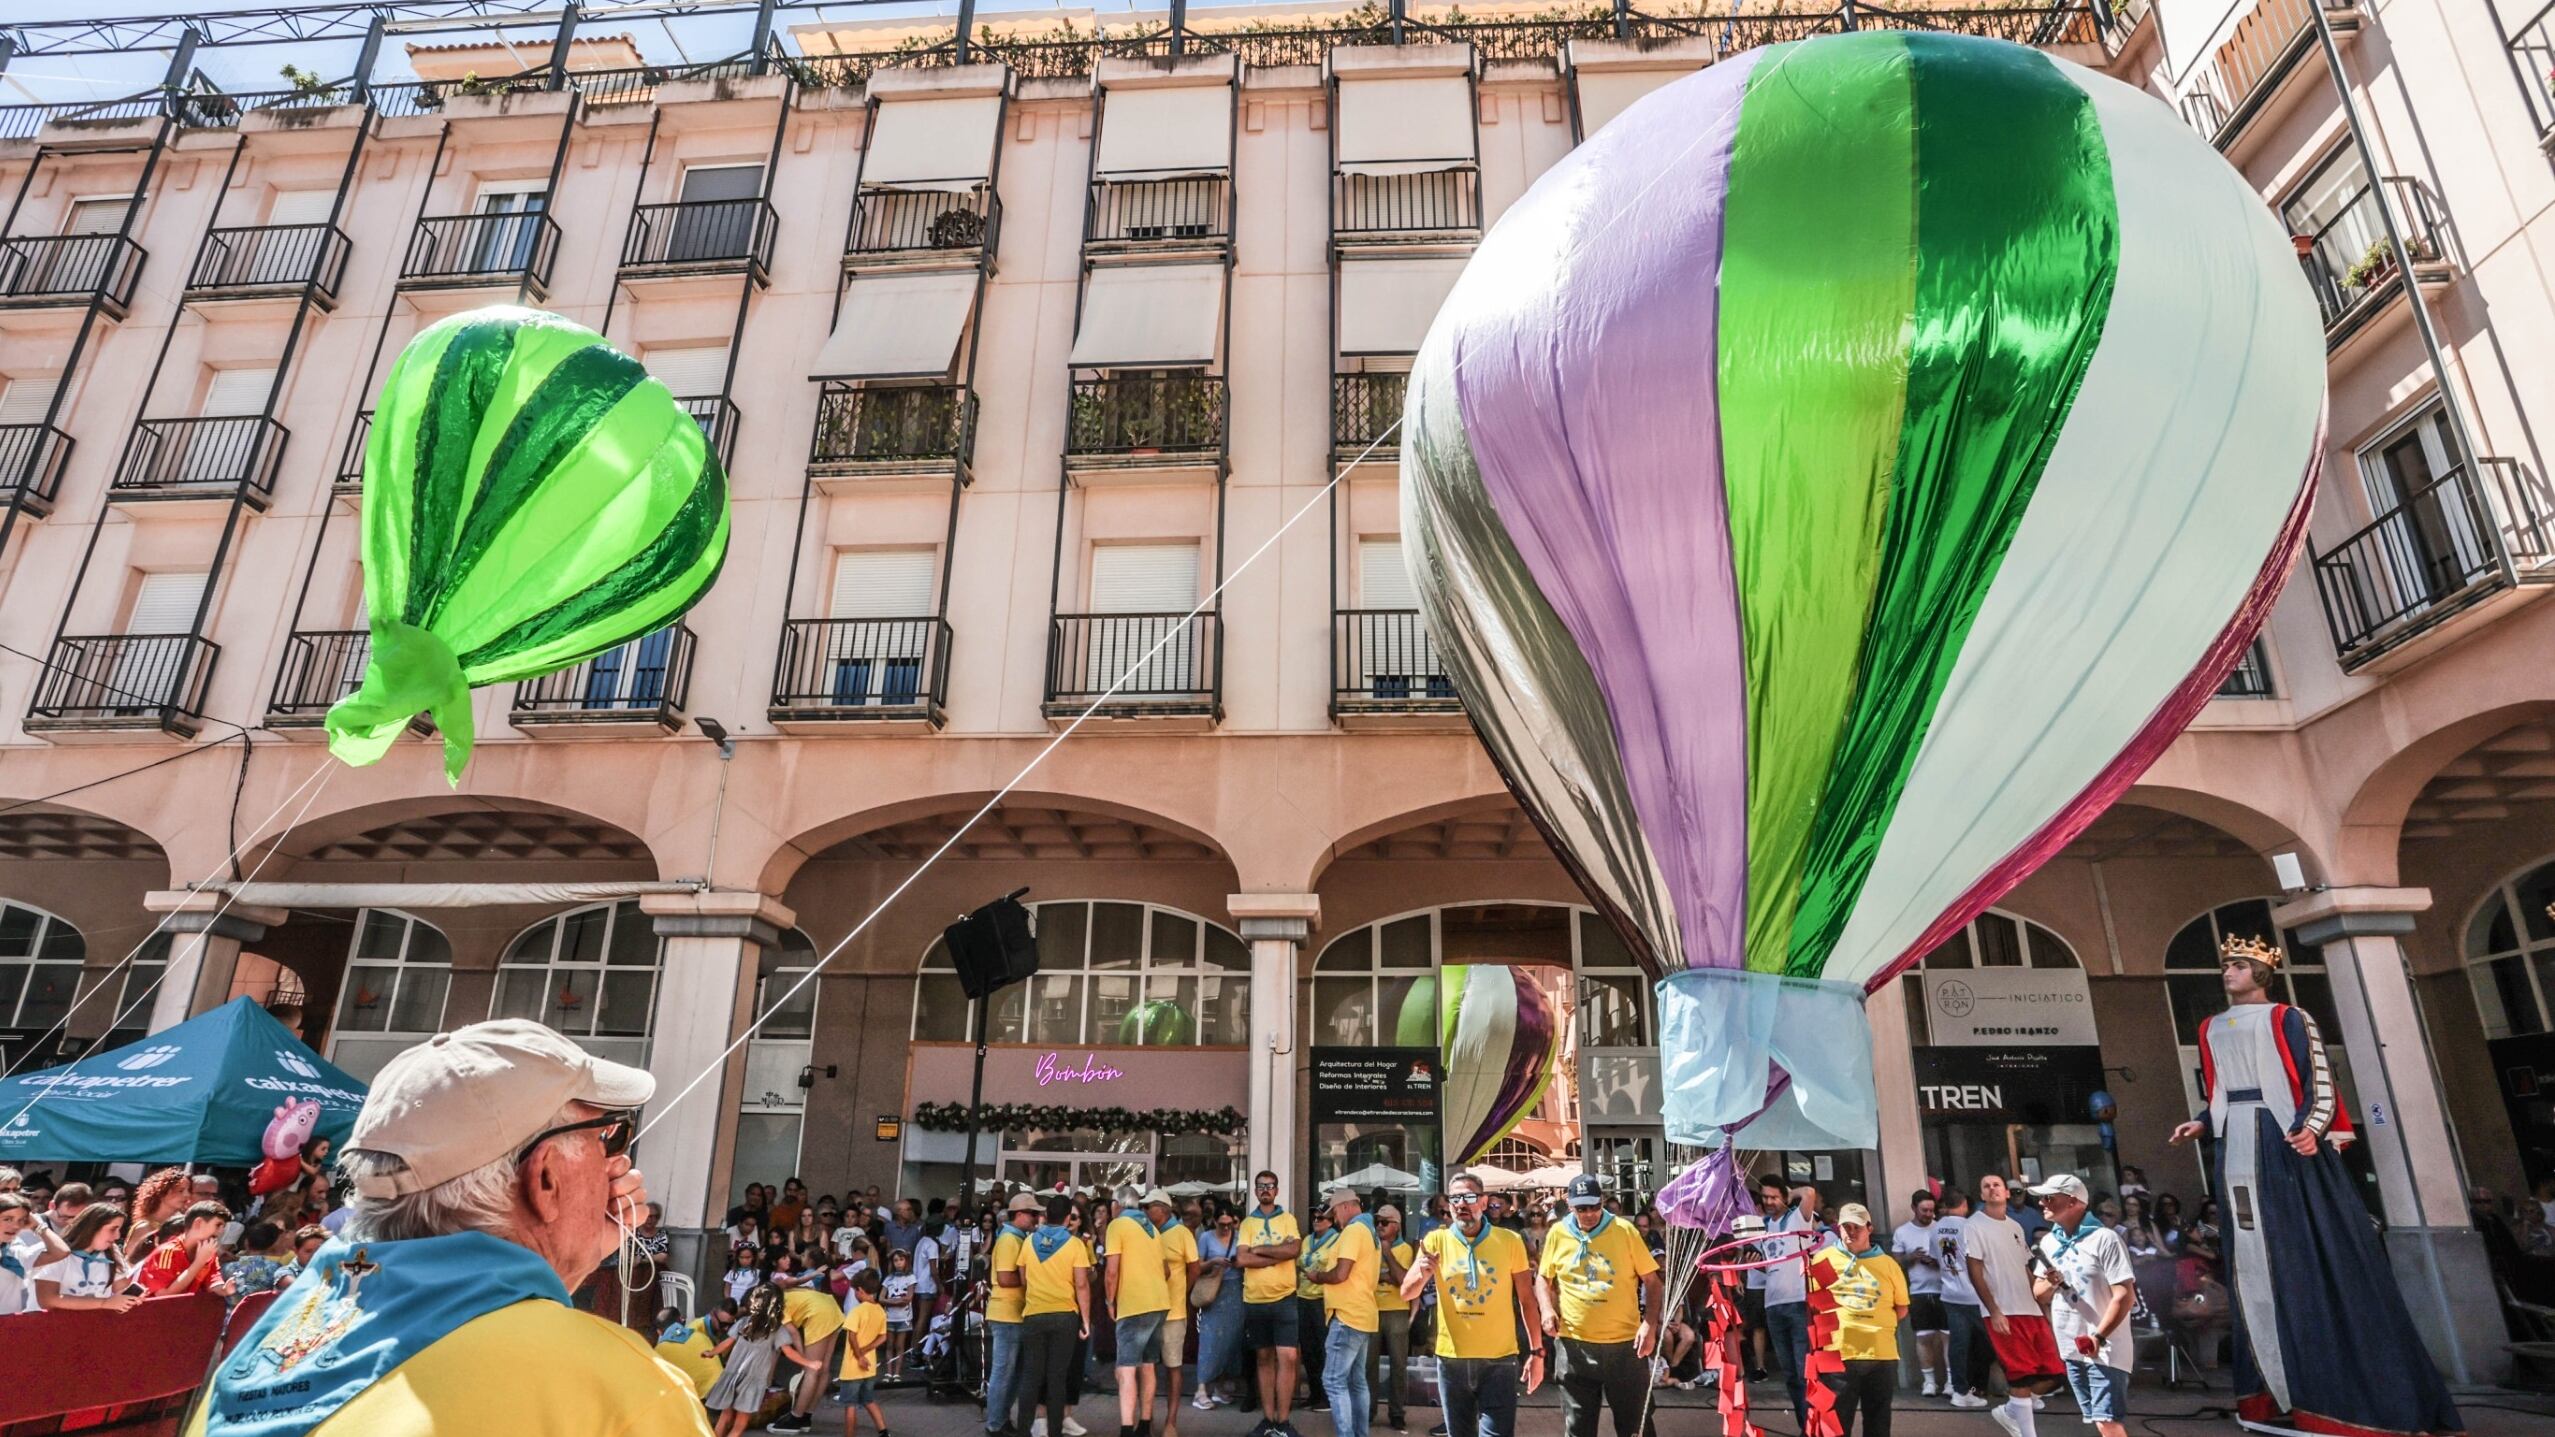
[2251, 949]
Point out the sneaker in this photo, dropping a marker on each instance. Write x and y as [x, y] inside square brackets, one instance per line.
[2005, 1420]
[790, 1423]
[1437, 1431]
[1075, 1429]
[1968, 1401]
[1401, 1421]
[1932, 1387]
[1223, 1401]
[2040, 1404]
[1202, 1402]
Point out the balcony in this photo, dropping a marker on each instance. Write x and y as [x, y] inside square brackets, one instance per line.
[470, 251]
[700, 237]
[718, 419]
[319, 668]
[1132, 213]
[2531, 44]
[2456, 544]
[888, 673]
[638, 688]
[114, 684]
[1428, 206]
[2251, 677]
[893, 430]
[2352, 268]
[31, 460]
[923, 226]
[1364, 409]
[1159, 421]
[50, 271]
[248, 262]
[1384, 665]
[209, 457]
[350, 465]
[1151, 666]
[2234, 86]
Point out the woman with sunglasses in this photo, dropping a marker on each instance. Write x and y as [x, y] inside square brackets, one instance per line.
[1220, 1315]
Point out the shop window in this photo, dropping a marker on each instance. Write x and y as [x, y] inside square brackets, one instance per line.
[1132, 974]
[2510, 954]
[591, 973]
[398, 972]
[40, 958]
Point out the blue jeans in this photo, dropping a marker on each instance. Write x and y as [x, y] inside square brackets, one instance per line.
[1787, 1327]
[1344, 1378]
[1971, 1350]
[1478, 1395]
[1002, 1374]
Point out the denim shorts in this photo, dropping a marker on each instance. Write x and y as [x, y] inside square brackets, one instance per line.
[1140, 1339]
[1268, 1324]
[857, 1390]
[2102, 1392]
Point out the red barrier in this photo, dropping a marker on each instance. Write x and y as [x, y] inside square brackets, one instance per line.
[113, 1371]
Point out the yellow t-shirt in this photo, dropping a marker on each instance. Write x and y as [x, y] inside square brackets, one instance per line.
[1869, 1293]
[1599, 1281]
[1136, 1248]
[1277, 1282]
[1002, 1304]
[1048, 1281]
[696, 1356]
[531, 1366]
[866, 1326]
[1179, 1249]
[816, 1315]
[1388, 1292]
[1351, 1300]
[1476, 1306]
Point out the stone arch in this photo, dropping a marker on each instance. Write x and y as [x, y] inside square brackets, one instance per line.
[794, 853]
[454, 828]
[2370, 840]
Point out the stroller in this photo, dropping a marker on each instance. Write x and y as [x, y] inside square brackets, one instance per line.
[952, 1352]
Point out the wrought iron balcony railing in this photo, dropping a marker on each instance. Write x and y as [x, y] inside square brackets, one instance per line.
[453, 250]
[863, 668]
[2449, 544]
[2531, 44]
[1364, 408]
[1383, 660]
[718, 417]
[1131, 211]
[125, 681]
[701, 235]
[31, 460]
[2229, 88]
[247, 260]
[194, 457]
[899, 221]
[1136, 415]
[69, 269]
[2251, 677]
[647, 679]
[1161, 662]
[2348, 260]
[319, 668]
[892, 424]
[350, 465]
[1426, 204]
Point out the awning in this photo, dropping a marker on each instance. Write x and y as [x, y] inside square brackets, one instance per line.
[898, 324]
[1398, 125]
[1604, 94]
[940, 144]
[1150, 314]
[1165, 131]
[1386, 304]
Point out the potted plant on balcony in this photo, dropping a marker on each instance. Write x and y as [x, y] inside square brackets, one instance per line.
[957, 229]
[307, 85]
[2374, 265]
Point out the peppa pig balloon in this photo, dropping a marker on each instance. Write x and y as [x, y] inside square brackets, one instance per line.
[295, 1120]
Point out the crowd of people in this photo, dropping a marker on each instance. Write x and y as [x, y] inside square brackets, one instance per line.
[74, 1246]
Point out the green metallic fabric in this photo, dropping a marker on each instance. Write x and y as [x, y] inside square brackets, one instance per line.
[531, 499]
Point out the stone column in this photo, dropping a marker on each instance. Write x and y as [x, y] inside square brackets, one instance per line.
[2433, 1248]
[714, 946]
[1900, 1163]
[1276, 926]
[205, 936]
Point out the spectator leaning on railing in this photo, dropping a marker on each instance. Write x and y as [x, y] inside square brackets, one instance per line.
[188, 1256]
[88, 1275]
[25, 1245]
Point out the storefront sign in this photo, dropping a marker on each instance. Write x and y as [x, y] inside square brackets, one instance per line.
[1376, 1085]
[1054, 1068]
[890, 1129]
[2009, 1008]
[1090, 1076]
[2007, 1085]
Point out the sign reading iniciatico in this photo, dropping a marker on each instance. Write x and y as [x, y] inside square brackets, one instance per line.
[1376, 1085]
[2009, 1008]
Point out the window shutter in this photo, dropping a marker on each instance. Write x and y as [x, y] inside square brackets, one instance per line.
[95, 217]
[1383, 582]
[1144, 578]
[166, 603]
[301, 207]
[883, 584]
[238, 391]
[24, 400]
[692, 373]
[722, 182]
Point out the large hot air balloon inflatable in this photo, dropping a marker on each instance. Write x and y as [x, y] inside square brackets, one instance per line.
[532, 498]
[1830, 487]
[1497, 1035]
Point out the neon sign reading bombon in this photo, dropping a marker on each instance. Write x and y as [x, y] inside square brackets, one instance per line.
[1051, 1072]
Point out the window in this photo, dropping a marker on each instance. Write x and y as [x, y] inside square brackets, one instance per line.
[1363, 978]
[590, 973]
[40, 958]
[165, 603]
[880, 661]
[1991, 940]
[398, 972]
[2510, 953]
[301, 207]
[27, 399]
[2337, 208]
[1133, 974]
[691, 372]
[237, 391]
[772, 1113]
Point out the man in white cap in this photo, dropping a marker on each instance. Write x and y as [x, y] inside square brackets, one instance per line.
[492, 1176]
[2088, 1289]
[1140, 1294]
[1345, 1262]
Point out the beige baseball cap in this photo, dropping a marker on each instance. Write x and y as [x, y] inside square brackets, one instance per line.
[1155, 1196]
[1855, 1213]
[464, 1099]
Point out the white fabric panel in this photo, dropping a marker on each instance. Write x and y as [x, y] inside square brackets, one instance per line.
[301, 207]
[1144, 578]
[1604, 94]
[896, 323]
[1383, 580]
[1151, 314]
[166, 603]
[1386, 304]
[25, 400]
[1428, 117]
[882, 584]
[238, 391]
[912, 141]
[694, 372]
[1181, 129]
[2199, 361]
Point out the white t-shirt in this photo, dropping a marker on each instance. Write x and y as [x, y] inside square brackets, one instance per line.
[1952, 1272]
[1906, 1244]
[844, 1237]
[1999, 1246]
[82, 1274]
[742, 1281]
[2096, 1263]
[17, 1289]
[897, 1296]
[1783, 1281]
[927, 1265]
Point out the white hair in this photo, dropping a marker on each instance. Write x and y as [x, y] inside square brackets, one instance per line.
[480, 1200]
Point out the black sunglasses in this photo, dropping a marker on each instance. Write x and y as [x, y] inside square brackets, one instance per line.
[617, 1130]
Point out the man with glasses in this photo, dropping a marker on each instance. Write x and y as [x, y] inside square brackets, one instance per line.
[1484, 1300]
[491, 1177]
[1270, 1243]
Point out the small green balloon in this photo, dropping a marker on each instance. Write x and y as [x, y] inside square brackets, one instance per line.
[1156, 1023]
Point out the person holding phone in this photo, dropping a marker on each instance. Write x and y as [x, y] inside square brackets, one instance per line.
[2088, 1287]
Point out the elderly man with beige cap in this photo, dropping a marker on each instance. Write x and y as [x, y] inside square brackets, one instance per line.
[491, 1176]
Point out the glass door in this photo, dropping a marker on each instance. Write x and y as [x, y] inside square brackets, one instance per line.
[2426, 530]
[510, 225]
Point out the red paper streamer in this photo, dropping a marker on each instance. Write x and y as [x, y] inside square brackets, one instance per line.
[1721, 1326]
[1824, 1357]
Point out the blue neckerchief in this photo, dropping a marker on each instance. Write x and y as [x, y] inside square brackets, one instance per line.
[10, 1265]
[2086, 1226]
[1869, 1253]
[332, 1335]
[1472, 1255]
[676, 1332]
[1144, 1222]
[1048, 1239]
[1268, 1221]
[1570, 1225]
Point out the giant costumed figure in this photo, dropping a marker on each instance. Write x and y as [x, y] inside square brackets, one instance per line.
[2323, 1342]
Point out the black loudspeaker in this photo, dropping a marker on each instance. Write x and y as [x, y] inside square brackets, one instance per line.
[993, 947]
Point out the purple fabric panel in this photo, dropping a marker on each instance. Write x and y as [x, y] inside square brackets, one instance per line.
[1591, 405]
